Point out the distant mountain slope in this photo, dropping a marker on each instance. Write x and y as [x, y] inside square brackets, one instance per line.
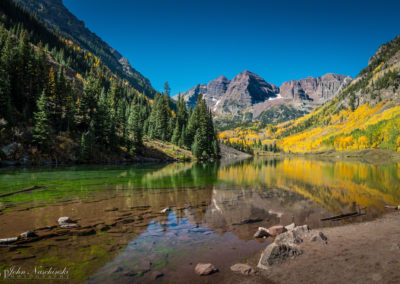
[249, 97]
[57, 17]
[365, 114]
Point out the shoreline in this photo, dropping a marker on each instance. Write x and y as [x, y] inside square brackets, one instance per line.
[366, 252]
[371, 156]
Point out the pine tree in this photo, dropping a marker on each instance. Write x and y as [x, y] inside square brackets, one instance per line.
[42, 131]
[167, 89]
[135, 129]
[159, 117]
[88, 100]
[5, 98]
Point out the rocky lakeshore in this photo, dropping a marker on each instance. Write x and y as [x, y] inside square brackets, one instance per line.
[355, 253]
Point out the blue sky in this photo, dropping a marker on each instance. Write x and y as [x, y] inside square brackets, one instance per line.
[186, 42]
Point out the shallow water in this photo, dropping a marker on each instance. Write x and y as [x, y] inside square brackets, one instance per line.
[215, 210]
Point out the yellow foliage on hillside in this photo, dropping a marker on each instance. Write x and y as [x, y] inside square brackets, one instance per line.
[341, 126]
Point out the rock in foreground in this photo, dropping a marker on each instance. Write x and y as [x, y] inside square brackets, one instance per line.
[287, 245]
[205, 269]
[242, 268]
[277, 253]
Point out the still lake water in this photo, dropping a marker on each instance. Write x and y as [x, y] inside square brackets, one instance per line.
[215, 210]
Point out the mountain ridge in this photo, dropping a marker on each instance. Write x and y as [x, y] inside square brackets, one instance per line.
[249, 96]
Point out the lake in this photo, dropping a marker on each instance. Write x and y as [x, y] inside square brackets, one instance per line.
[215, 210]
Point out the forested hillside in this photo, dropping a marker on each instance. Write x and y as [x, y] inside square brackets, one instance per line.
[58, 18]
[364, 115]
[59, 102]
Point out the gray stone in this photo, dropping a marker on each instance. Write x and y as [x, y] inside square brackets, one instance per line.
[294, 236]
[323, 237]
[64, 220]
[277, 254]
[205, 269]
[320, 237]
[242, 268]
[28, 234]
[290, 227]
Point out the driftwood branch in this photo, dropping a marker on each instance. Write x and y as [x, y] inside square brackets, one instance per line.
[21, 191]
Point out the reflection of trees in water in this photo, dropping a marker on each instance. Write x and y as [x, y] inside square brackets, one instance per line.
[335, 185]
[181, 175]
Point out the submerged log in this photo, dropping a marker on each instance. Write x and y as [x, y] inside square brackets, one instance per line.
[21, 191]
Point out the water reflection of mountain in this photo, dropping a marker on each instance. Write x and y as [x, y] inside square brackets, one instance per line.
[335, 185]
[241, 211]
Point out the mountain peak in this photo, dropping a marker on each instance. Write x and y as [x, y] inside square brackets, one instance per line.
[221, 78]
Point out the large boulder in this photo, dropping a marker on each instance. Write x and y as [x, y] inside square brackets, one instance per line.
[205, 269]
[277, 253]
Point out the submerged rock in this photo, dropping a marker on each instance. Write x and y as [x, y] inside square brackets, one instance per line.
[64, 220]
[242, 268]
[27, 235]
[69, 226]
[277, 253]
[205, 269]
[261, 233]
[67, 223]
[8, 240]
[165, 210]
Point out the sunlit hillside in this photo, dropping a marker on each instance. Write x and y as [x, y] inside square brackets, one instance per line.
[364, 115]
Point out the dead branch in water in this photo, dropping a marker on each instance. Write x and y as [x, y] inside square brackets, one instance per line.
[21, 191]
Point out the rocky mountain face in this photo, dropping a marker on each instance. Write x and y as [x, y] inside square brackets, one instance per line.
[248, 96]
[245, 90]
[318, 90]
[57, 17]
